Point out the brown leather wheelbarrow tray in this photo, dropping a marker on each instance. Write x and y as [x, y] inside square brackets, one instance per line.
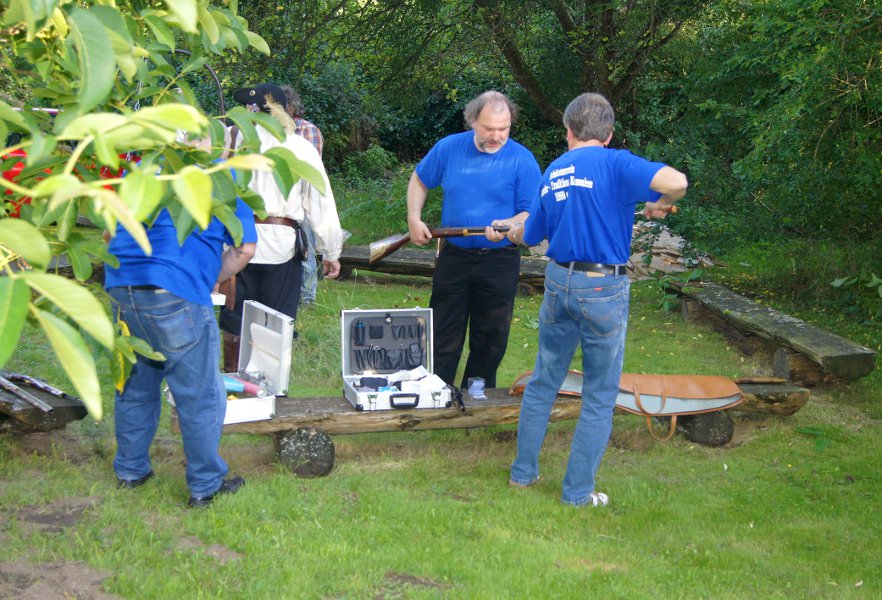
[658, 395]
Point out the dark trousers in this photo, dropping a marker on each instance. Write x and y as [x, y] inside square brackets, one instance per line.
[474, 290]
[276, 286]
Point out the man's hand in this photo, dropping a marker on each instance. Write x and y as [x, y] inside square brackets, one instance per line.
[658, 210]
[493, 235]
[515, 226]
[331, 268]
[419, 232]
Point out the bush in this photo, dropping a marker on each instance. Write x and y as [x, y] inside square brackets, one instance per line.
[373, 163]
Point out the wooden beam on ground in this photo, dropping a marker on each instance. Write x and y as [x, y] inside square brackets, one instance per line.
[335, 415]
[416, 261]
[836, 355]
[23, 417]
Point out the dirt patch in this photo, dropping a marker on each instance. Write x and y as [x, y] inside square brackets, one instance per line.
[397, 583]
[60, 443]
[221, 554]
[54, 517]
[55, 581]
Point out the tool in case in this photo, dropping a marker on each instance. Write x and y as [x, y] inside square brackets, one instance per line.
[387, 360]
[264, 364]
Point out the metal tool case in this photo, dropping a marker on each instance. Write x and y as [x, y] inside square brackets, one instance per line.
[377, 343]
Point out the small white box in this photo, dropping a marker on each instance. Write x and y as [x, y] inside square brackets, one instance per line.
[379, 343]
[264, 358]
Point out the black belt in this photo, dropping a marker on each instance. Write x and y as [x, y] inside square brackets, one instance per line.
[594, 267]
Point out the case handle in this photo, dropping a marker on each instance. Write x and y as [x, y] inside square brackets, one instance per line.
[413, 396]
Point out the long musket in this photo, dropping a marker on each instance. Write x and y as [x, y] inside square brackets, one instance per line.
[383, 248]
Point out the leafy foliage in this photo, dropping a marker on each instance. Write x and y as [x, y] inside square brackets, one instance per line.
[122, 104]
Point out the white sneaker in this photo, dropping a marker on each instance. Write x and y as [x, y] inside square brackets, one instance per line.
[598, 499]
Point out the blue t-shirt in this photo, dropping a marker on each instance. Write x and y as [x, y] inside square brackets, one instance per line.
[188, 271]
[478, 186]
[586, 204]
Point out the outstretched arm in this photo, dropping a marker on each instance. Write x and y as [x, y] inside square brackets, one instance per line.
[671, 184]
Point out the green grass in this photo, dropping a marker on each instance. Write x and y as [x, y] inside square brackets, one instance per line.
[774, 514]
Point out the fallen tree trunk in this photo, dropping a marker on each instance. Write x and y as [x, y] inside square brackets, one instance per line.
[334, 415]
[836, 355]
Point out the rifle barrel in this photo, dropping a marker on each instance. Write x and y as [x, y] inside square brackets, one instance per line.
[383, 248]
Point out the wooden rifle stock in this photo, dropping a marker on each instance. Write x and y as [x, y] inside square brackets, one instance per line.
[383, 248]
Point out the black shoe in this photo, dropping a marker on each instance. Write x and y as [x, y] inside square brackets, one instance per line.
[130, 484]
[228, 486]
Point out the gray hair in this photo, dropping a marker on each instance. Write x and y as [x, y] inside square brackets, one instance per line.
[293, 102]
[590, 117]
[489, 98]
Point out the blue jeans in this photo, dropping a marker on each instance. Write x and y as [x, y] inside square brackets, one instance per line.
[187, 335]
[593, 312]
[309, 267]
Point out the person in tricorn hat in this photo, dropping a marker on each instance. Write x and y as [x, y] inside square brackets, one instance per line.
[273, 276]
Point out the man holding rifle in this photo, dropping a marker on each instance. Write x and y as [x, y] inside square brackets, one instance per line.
[586, 211]
[485, 177]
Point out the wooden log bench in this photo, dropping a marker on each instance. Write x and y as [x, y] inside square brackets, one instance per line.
[302, 426]
[802, 352]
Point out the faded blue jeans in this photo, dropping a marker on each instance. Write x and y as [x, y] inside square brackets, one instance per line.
[187, 335]
[309, 267]
[593, 312]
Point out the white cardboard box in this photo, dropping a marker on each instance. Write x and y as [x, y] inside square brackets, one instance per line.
[378, 343]
[265, 357]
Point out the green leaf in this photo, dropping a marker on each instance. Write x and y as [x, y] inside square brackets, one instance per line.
[209, 25]
[75, 358]
[34, 12]
[270, 123]
[67, 221]
[228, 217]
[76, 302]
[41, 147]
[251, 162]
[173, 116]
[25, 239]
[254, 202]
[96, 59]
[285, 159]
[79, 260]
[14, 297]
[161, 31]
[244, 121]
[193, 188]
[141, 191]
[185, 13]
[107, 153]
[843, 281]
[258, 42]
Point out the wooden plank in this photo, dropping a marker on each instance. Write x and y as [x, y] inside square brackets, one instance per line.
[336, 416]
[415, 261]
[31, 418]
[837, 355]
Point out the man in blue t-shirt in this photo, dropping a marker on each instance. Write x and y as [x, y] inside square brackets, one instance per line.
[165, 299]
[585, 210]
[485, 177]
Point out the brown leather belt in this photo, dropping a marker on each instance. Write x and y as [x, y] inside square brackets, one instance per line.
[277, 221]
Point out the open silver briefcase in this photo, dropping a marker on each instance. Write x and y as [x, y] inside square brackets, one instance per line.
[387, 360]
[264, 364]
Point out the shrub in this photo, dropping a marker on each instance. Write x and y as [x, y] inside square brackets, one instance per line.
[373, 163]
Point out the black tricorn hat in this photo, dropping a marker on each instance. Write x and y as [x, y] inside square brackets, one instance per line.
[258, 93]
